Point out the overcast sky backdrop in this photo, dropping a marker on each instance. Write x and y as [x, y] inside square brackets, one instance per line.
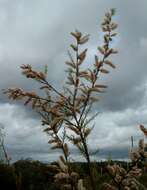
[37, 32]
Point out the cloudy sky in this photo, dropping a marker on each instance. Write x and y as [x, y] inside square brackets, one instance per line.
[37, 32]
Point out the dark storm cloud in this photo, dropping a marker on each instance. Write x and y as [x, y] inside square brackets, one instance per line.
[38, 33]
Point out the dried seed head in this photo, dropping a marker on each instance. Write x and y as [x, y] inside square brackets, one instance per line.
[82, 56]
[113, 26]
[135, 172]
[111, 169]
[84, 39]
[80, 185]
[134, 156]
[62, 166]
[66, 149]
[104, 71]
[61, 176]
[123, 172]
[118, 178]
[109, 63]
[127, 188]
[76, 34]
[87, 132]
[109, 187]
[74, 175]
[101, 50]
[67, 187]
[143, 129]
[98, 63]
[141, 144]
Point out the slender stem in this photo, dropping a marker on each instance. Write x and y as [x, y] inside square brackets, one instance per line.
[88, 162]
[56, 91]
[79, 121]
[93, 83]
[50, 101]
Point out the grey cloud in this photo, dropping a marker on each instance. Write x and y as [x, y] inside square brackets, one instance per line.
[25, 138]
[23, 133]
[33, 32]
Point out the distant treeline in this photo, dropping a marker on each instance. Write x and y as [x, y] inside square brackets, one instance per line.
[34, 175]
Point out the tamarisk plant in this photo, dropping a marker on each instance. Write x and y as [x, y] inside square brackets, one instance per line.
[66, 113]
[127, 179]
